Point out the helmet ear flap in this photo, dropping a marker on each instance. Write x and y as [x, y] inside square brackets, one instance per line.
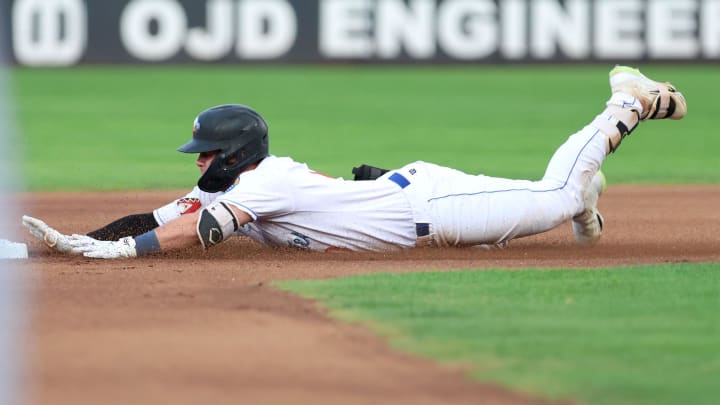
[224, 169]
[217, 177]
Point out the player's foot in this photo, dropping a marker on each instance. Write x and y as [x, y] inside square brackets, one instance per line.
[659, 100]
[587, 227]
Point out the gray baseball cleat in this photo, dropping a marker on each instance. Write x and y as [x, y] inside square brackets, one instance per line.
[659, 100]
[587, 226]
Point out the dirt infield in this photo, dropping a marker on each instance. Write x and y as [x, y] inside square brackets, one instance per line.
[209, 328]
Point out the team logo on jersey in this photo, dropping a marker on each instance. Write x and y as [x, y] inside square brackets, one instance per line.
[298, 241]
[196, 126]
[188, 205]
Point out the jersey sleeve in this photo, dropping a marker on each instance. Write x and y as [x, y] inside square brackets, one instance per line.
[191, 202]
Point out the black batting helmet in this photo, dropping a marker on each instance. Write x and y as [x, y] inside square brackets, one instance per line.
[240, 135]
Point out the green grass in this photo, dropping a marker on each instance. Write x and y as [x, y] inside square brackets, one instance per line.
[639, 335]
[118, 127]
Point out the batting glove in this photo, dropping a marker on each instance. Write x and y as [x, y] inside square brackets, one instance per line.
[100, 249]
[52, 238]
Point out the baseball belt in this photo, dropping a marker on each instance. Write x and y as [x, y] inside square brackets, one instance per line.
[422, 228]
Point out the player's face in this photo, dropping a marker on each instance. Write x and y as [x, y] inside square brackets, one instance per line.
[204, 159]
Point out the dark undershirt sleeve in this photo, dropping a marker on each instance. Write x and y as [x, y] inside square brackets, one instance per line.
[131, 225]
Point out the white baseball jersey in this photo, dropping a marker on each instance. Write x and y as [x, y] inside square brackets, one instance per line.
[294, 206]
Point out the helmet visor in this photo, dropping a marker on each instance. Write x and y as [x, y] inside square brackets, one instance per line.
[201, 145]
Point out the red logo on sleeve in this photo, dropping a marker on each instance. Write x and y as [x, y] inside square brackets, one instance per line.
[188, 205]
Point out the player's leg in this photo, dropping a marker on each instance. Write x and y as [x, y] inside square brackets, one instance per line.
[471, 210]
[486, 210]
[634, 98]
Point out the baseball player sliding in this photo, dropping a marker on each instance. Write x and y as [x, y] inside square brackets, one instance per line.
[243, 190]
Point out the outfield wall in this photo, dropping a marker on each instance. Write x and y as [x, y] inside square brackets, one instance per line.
[71, 32]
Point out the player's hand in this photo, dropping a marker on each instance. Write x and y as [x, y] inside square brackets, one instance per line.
[76, 239]
[100, 249]
[52, 238]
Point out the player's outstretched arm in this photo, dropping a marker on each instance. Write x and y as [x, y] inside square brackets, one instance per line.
[131, 225]
[175, 235]
[207, 227]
